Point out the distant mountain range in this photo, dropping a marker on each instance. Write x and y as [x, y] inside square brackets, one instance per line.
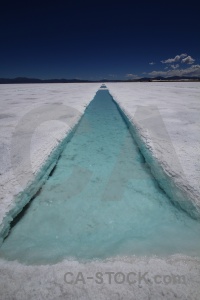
[145, 79]
[36, 80]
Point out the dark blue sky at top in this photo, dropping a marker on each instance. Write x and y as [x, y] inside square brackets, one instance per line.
[95, 39]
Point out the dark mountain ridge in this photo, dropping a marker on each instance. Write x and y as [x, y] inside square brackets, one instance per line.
[145, 79]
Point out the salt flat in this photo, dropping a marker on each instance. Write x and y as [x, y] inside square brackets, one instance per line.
[166, 119]
[46, 112]
[178, 106]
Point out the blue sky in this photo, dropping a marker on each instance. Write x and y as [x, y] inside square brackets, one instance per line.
[99, 39]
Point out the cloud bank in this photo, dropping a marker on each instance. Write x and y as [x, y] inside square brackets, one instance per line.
[173, 60]
[132, 76]
[183, 58]
[194, 70]
[188, 60]
[174, 67]
[180, 65]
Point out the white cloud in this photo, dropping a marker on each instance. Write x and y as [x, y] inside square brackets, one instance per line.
[152, 63]
[194, 70]
[173, 60]
[132, 76]
[174, 67]
[183, 55]
[188, 60]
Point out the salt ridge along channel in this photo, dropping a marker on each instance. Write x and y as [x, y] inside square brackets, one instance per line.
[101, 201]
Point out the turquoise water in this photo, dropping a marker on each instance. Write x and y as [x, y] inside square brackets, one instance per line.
[100, 201]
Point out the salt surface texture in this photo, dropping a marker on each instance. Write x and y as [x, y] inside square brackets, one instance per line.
[37, 116]
[101, 201]
[47, 282]
[167, 123]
